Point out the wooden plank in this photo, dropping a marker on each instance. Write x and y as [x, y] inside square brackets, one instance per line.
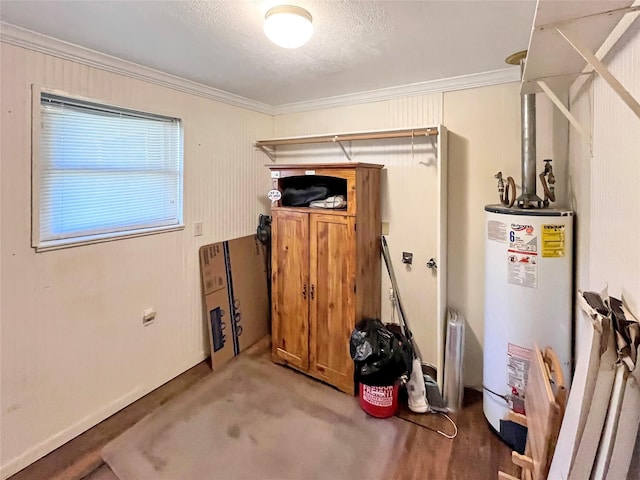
[556, 373]
[368, 250]
[522, 461]
[290, 288]
[331, 298]
[517, 418]
[506, 476]
[307, 210]
[543, 416]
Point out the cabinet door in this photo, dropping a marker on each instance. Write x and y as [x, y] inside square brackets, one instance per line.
[332, 297]
[290, 288]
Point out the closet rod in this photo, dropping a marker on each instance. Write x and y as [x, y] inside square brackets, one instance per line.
[345, 137]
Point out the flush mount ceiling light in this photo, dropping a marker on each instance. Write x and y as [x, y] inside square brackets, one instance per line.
[288, 26]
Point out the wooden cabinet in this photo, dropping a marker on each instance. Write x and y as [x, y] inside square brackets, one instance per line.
[325, 271]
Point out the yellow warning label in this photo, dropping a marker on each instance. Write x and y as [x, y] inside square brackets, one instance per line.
[553, 240]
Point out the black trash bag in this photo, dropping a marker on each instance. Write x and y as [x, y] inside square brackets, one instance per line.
[381, 354]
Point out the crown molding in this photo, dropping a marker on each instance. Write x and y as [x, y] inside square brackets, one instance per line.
[21, 37]
[38, 42]
[495, 77]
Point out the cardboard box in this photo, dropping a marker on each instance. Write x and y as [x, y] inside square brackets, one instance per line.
[234, 286]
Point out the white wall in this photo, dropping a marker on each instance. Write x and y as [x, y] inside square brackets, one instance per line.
[71, 319]
[73, 348]
[408, 190]
[606, 186]
[605, 193]
[484, 137]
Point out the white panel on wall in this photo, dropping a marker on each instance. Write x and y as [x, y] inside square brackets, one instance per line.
[405, 195]
[579, 188]
[484, 138]
[615, 177]
[73, 346]
[606, 196]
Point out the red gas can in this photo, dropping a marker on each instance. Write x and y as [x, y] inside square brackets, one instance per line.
[380, 402]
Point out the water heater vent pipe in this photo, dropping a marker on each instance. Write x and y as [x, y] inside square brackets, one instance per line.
[528, 199]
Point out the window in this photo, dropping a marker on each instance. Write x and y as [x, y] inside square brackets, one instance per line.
[103, 172]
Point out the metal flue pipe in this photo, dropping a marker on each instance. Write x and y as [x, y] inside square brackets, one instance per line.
[528, 143]
[528, 199]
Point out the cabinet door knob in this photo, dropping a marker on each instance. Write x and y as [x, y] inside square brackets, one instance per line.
[304, 291]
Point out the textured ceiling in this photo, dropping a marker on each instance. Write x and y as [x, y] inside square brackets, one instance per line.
[357, 45]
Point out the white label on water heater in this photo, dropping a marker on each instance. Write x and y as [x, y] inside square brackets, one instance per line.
[522, 256]
[518, 359]
[497, 231]
[523, 269]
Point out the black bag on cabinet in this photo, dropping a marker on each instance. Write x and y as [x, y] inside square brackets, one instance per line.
[302, 197]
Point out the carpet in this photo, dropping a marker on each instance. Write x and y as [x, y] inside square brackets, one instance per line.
[257, 420]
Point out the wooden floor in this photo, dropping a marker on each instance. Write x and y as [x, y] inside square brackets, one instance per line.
[475, 454]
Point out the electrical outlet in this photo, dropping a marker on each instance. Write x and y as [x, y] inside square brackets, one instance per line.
[148, 316]
[407, 258]
[197, 229]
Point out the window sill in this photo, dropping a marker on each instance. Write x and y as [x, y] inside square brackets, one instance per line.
[107, 237]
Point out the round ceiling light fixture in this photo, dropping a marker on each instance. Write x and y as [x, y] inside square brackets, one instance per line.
[288, 26]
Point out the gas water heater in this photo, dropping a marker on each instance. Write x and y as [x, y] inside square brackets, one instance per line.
[528, 279]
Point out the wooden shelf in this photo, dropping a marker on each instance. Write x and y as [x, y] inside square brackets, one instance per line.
[323, 211]
[345, 137]
[550, 56]
[268, 147]
[320, 166]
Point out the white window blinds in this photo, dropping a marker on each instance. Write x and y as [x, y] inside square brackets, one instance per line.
[105, 172]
